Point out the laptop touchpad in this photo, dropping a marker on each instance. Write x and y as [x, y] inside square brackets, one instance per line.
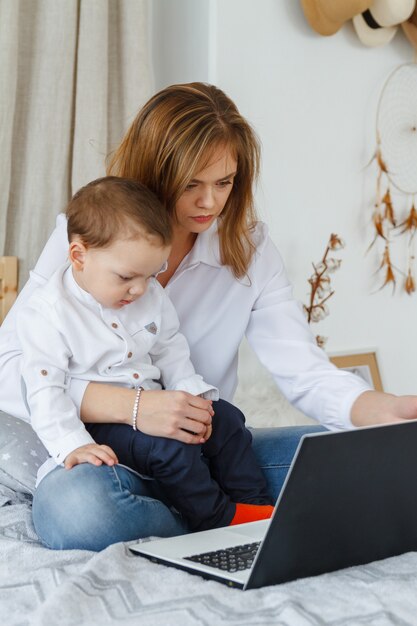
[255, 530]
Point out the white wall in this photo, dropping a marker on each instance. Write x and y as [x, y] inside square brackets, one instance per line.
[181, 34]
[313, 102]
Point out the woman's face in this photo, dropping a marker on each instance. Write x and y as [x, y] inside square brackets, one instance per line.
[206, 194]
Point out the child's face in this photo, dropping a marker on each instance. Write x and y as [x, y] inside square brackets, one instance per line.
[117, 275]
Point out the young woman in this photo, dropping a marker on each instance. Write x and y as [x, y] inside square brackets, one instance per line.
[190, 145]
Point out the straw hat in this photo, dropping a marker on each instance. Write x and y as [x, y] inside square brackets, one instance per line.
[326, 17]
[378, 25]
[410, 29]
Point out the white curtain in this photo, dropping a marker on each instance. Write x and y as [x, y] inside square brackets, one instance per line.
[73, 74]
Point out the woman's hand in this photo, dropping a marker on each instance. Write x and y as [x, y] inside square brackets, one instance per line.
[173, 414]
[91, 453]
[176, 415]
[375, 407]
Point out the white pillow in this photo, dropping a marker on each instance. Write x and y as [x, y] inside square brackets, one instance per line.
[21, 454]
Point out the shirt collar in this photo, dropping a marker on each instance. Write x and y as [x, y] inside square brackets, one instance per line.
[206, 249]
[74, 288]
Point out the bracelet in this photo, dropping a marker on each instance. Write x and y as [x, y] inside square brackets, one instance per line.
[136, 408]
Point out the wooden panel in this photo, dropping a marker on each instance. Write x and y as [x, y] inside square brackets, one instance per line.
[8, 284]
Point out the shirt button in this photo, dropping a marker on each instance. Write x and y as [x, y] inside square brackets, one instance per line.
[129, 355]
[114, 325]
[44, 372]
[135, 375]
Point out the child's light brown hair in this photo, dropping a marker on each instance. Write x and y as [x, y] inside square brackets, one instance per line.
[113, 208]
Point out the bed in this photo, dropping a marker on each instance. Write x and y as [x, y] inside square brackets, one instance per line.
[39, 586]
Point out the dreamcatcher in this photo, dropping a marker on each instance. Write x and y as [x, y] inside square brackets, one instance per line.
[396, 158]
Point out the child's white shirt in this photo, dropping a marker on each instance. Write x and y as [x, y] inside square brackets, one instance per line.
[65, 333]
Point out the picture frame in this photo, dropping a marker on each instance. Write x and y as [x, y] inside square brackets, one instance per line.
[363, 364]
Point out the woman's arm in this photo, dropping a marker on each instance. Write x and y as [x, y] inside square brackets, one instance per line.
[52, 256]
[281, 337]
[375, 407]
[172, 414]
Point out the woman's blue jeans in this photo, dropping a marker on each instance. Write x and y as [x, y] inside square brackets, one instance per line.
[90, 507]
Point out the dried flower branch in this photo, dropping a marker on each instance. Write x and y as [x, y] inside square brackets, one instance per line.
[320, 285]
[321, 341]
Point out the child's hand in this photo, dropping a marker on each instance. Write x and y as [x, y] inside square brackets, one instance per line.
[91, 453]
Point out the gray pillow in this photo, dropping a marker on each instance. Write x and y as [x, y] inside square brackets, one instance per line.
[21, 454]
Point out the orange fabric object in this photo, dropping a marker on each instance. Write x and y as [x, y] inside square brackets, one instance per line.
[251, 513]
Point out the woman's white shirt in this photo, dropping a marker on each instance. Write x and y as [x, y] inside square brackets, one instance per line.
[216, 310]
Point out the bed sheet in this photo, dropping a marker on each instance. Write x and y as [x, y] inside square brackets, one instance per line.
[81, 588]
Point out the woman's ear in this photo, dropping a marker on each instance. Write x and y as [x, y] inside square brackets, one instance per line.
[76, 254]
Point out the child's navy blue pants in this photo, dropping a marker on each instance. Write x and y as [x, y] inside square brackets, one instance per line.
[203, 481]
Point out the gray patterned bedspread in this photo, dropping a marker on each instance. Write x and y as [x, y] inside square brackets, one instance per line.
[40, 586]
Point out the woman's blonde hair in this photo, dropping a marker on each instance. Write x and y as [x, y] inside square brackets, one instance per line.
[174, 136]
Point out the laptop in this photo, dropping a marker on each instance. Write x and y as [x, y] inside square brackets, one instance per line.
[349, 498]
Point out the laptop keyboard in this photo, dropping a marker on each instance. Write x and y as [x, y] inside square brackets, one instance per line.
[230, 559]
